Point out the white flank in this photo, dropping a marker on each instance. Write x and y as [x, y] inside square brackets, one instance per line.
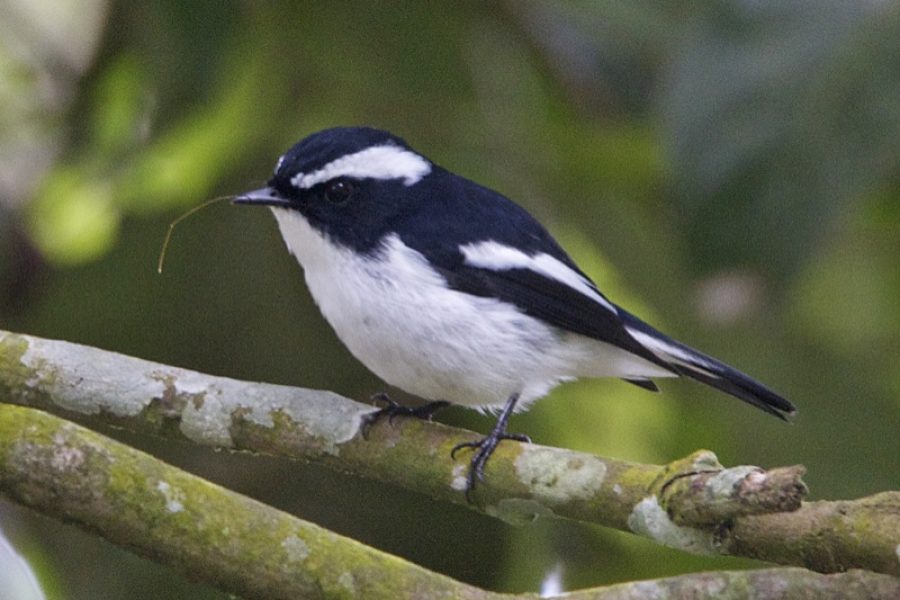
[498, 257]
[397, 315]
[377, 162]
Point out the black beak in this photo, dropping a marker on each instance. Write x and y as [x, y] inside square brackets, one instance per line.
[266, 196]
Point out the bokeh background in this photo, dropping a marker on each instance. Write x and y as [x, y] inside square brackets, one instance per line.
[728, 169]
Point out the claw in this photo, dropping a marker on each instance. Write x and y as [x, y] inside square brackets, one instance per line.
[462, 445]
[485, 447]
[391, 410]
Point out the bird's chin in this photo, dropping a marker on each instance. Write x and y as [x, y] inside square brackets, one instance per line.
[279, 210]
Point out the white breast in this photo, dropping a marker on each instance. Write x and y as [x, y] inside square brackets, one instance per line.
[399, 318]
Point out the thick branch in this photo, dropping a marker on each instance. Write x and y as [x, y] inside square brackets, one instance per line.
[763, 584]
[693, 504]
[245, 547]
[199, 528]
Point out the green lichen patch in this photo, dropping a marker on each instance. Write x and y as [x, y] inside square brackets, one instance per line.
[704, 460]
[42, 456]
[677, 474]
[701, 461]
[15, 375]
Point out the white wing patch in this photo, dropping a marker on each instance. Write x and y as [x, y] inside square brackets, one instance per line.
[499, 257]
[377, 162]
[671, 353]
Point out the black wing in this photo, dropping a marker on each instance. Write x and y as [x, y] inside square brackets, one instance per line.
[461, 213]
[550, 301]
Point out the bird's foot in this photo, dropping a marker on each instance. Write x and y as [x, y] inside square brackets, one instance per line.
[484, 448]
[392, 410]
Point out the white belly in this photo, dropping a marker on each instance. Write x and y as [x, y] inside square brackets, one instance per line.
[399, 318]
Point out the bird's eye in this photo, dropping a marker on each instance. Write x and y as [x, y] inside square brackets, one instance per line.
[338, 191]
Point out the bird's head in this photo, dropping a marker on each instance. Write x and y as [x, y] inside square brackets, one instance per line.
[349, 183]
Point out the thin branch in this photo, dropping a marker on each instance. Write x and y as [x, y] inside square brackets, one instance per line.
[693, 504]
[248, 548]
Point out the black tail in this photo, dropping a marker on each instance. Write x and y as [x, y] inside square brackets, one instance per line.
[706, 369]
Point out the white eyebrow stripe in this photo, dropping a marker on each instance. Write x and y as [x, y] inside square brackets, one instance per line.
[499, 257]
[377, 162]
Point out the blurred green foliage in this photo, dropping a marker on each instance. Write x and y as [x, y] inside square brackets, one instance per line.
[727, 169]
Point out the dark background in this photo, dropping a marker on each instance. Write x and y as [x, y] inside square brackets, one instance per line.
[728, 170]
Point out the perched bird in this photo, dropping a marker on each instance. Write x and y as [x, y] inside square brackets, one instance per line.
[452, 292]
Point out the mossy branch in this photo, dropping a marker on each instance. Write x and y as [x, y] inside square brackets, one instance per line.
[199, 528]
[248, 548]
[694, 503]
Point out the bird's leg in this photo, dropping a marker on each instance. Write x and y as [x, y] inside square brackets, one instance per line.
[392, 410]
[486, 445]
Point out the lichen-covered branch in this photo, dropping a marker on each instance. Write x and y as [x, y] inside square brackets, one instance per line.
[693, 504]
[762, 584]
[828, 535]
[199, 528]
[248, 548]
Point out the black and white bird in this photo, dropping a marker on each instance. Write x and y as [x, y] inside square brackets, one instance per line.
[452, 292]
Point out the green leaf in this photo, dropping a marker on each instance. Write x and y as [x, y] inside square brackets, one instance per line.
[73, 219]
